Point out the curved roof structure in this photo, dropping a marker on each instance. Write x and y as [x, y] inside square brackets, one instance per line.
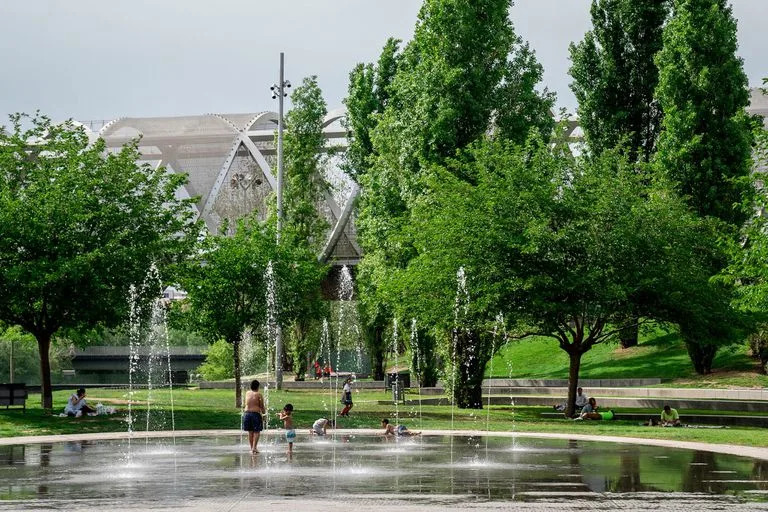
[230, 160]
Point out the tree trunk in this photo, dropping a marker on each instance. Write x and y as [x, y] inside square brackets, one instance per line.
[469, 396]
[702, 356]
[469, 388]
[377, 353]
[427, 367]
[238, 387]
[574, 356]
[44, 347]
[628, 335]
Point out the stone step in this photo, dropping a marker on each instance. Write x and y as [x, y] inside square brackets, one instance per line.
[593, 383]
[613, 403]
[633, 392]
[694, 419]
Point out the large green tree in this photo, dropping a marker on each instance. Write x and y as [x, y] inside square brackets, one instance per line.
[615, 76]
[563, 246]
[367, 99]
[615, 79]
[227, 287]
[306, 187]
[464, 74]
[706, 139]
[78, 226]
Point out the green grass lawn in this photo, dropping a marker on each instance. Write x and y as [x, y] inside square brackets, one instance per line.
[213, 409]
[659, 354]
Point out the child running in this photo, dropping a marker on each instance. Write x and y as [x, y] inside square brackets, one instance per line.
[396, 430]
[252, 420]
[347, 399]
[320, 427]
[290, 433]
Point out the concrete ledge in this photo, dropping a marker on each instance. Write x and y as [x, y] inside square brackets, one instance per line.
[613, 402]
[593, 383]
[306, 384]
[700, 419]
[634, 392]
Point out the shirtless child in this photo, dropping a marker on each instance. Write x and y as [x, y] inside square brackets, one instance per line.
[252, 420]
[290, 433]
[396, 430]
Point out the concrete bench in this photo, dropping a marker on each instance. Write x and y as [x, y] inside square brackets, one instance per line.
[13, 395]
[686, 419]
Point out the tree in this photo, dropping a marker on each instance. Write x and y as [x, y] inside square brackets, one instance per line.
[615, 79]
[368, 97]
[219, 362]
[615, 76]
[706, 139]
[227, 287]
[465, 73]
[305, 149]
[562, 246]
[306, 187]
[78, 226]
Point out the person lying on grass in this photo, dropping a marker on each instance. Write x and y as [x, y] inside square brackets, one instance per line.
[590, 412]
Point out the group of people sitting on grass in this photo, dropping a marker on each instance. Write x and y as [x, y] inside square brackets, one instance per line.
[253, 421]
[587, 409]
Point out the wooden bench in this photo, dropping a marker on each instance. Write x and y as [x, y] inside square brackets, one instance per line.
[13, 394]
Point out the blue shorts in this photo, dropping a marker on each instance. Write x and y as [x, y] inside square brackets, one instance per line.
[290, 435]
[252, 422]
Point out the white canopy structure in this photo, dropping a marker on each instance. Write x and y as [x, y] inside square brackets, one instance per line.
[230, 160]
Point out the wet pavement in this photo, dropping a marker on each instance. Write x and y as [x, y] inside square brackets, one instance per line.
[363, 472]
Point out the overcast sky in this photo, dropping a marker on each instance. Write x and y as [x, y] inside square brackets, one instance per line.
[96, 59]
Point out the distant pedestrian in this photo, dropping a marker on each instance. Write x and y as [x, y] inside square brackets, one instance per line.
[347, 397]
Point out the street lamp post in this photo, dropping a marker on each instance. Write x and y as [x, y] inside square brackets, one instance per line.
[278, 91]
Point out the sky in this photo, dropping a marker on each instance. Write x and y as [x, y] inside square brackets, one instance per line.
[93, 60]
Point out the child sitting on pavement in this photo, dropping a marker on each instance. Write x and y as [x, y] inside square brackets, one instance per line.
[320, 427]
[396, 430]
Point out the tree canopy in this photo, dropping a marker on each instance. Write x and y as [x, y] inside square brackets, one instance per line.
[78, 226]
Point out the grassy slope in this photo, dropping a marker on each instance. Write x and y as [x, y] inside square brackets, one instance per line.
[207, 409]
[659, 354]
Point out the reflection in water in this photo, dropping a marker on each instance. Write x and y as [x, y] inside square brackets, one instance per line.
[760, 474]
[12, 454]
[629, 472]
[698, 477]
[430, 469]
